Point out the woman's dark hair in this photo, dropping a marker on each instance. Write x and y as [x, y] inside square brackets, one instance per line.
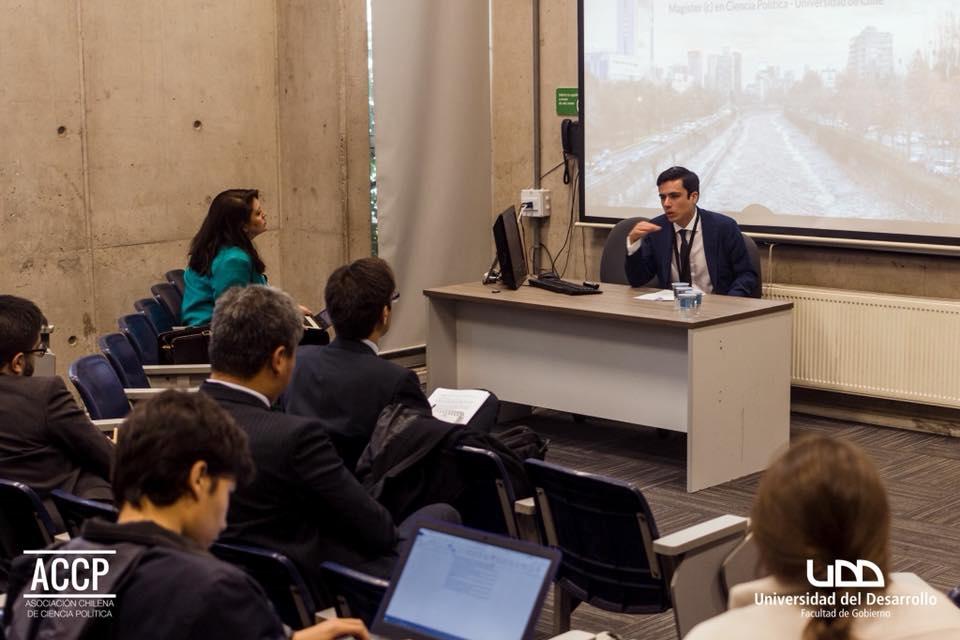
[822, 500]
[162, 439]
[224, 227]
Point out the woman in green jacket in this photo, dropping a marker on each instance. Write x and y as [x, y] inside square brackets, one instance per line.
[222, 254]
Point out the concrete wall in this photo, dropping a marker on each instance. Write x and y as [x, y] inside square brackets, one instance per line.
[934, 276]
[120, 124]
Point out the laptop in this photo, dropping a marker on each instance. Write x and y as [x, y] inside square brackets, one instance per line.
[455, 583]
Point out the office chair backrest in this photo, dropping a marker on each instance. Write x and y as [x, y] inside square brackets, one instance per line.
[156, 313]
[175, 277]
[754, 254]
[605, 530]
[99, 387]
[279, 578]
[142, 336]
[487, 501]
[124, 360]
[24, 524]
[614, 254]
[76, 510]
[356, 594]
[168, 295]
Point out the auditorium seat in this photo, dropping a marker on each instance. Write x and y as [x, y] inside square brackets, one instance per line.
[74, 510]
[121, 355]
[279, 578]
[24, 524]
[171, 299]
[605, 530]
[175, 277]
[355, 594]
[615, 253]
[487, 502]
[142, 336]
[156, 313]
[614, 560]
[99, 387]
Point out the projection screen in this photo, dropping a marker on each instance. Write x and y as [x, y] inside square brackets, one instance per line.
[831, 118]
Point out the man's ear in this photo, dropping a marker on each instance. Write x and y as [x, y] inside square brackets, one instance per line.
[16, 364]
[197, 477]
[695, 196]
[280, 354]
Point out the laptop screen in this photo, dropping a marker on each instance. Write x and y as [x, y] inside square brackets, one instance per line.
[452, 587]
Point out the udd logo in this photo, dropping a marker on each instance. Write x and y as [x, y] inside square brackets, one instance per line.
[835, 574]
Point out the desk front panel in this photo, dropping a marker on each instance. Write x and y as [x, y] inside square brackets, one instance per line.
[609, 368]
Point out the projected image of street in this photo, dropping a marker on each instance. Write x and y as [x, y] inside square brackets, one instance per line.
[818, 109]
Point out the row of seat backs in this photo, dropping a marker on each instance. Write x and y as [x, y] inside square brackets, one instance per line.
[615, 254]
[163, 309]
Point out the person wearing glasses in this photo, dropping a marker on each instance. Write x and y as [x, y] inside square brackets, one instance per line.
[347, 384]
[46, 441]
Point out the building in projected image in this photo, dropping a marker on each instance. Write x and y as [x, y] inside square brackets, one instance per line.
[632, 59]
[871, 54]
[695, 67]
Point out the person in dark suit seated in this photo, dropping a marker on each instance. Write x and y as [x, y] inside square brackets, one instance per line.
[46, 441]
[689, 244]
[178, 459]
[347, 384]
[303, 502]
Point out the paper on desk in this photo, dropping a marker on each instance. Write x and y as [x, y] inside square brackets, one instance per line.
[663, 294]
[456, 405]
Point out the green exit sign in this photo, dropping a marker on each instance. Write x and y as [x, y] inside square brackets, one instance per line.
[568, 101]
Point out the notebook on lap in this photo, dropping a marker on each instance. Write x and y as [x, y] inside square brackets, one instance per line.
[454, 583]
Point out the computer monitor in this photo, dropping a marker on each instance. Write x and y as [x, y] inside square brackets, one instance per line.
[510, 253]
[452, 582]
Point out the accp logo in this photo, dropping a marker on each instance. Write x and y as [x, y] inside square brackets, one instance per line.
[835, 577]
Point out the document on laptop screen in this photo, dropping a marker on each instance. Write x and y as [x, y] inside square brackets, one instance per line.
[453, 588]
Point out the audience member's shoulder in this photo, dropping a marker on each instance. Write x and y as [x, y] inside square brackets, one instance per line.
[35, 386]
[310, 351]
[230, 254]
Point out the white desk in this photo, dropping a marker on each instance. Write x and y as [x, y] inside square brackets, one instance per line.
[723, 377]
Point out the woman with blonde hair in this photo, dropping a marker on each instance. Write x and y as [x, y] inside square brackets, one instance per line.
[820, 503]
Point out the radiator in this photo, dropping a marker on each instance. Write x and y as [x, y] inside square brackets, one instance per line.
[887, 346]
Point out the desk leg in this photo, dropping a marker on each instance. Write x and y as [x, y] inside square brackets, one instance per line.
[442, 362]
[739, 402]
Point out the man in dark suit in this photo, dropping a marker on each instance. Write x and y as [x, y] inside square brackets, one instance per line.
[46, 440]
[302, 502]
[347, 384]
[689, 244]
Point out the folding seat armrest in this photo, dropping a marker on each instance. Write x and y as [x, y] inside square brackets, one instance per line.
[525, 507]
[692, 560]
[108, 425]
[525, 512]
[176, 376]
[136, 395]
[176, 369]
[700, 535]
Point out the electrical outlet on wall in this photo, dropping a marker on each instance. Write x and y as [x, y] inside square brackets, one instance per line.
[535, 203]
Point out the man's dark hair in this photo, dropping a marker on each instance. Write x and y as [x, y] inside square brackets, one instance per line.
[20, 324]
[223, 227]
[248, 325]
[356, 294]
[162, 439]
[690, 180]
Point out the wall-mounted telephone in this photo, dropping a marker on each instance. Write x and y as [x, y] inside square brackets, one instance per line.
[570, 140]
